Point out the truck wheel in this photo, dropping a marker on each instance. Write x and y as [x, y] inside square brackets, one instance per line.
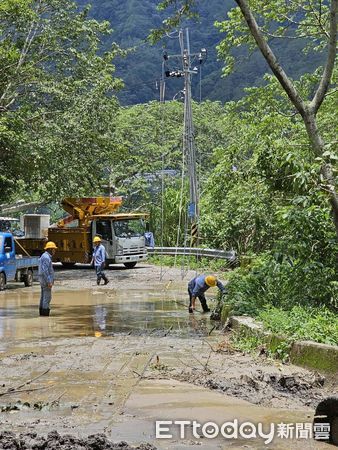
[28, 278]
[2, 281]
[327, 412]
[68, 265]
[129, 265]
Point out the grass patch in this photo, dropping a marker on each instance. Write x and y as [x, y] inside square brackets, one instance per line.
[301, 323]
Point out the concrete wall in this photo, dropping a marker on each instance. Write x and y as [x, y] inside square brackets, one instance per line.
[307, 354]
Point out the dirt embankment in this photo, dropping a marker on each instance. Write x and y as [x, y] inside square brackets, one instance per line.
[256, 379]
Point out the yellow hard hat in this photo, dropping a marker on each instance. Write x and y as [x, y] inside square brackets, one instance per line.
[97, 239]
[50, 244]
[211, 280]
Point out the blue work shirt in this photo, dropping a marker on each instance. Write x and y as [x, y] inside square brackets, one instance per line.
[46, 271]
[197, 286]
[99, 255]
[149, 237]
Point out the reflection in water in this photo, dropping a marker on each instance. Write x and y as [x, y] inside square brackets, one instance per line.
[94, 312]
[100, 317]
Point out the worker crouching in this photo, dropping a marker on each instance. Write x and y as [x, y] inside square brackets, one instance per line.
[99, 260]
[46, 278]
[197, 287]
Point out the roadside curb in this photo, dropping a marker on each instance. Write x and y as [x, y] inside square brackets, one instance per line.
[309, 354]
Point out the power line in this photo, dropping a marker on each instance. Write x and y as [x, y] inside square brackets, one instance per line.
[186, 58]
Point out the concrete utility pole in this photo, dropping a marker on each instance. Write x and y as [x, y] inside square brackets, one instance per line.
[188, 131]
[188, 140]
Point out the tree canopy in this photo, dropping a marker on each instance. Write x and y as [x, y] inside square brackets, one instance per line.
[254, 23]
[57, 100]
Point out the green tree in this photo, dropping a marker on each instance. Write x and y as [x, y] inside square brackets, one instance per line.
[57, 100]
[149, 141]
[149, 138]
[253, 23]
[263, 199]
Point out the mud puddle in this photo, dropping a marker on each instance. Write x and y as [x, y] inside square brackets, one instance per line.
[121, 385]
[98, 312]
[114, 359]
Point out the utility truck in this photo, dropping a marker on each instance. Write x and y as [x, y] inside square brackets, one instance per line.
[14, 267]
[122, 234]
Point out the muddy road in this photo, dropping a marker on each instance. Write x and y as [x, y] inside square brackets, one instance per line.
[115, 359]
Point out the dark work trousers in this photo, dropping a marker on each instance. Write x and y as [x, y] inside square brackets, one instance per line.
[100, 273]
[201, 298]
[45, 299]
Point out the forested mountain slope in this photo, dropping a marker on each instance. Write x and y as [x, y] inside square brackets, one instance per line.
[132, 20]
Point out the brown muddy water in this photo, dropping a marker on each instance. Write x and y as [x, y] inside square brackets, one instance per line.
[89, 312]
[116, 358]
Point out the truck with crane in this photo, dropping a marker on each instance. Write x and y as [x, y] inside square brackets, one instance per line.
[122, 234]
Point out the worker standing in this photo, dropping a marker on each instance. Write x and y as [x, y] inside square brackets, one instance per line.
[197, 287]
[46, 277]
[99, 260]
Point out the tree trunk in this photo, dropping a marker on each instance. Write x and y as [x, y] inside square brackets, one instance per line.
[326, 169]
[308, 111]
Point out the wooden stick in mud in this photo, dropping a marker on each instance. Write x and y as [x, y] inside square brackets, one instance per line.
[14, 389]
[26, 390]
[210, 346]
[144, 369]
[140, 376]
[206, 364]
[212, 329]
[56, 400]
[184, 304]
[187, 365]
[199, 362]
[168, 330]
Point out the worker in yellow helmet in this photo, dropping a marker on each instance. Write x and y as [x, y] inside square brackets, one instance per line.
[197, 287]
[99, 260]
[46, 277]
